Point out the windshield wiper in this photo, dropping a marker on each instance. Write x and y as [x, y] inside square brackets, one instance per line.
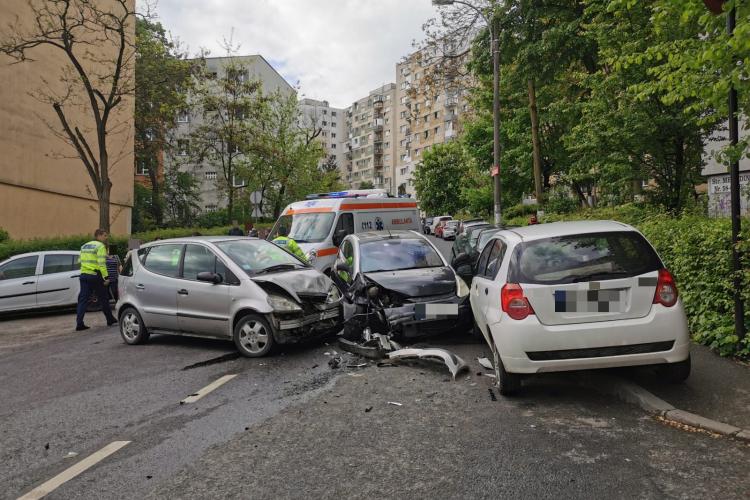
[280, 267]
[576, 278]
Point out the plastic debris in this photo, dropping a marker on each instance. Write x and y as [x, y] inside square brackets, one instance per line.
[486, 363]
[368, 409]
[71, 454]
[394, 403]
[360, 365]
[454, 363]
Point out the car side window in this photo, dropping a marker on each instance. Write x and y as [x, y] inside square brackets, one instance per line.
[483, 258]
[19, 268]
[59, 263]
[198, 259]
[164, 260]
[127, 267]
[495, 259]
[345, 222]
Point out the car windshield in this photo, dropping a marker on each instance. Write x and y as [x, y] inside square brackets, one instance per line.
[583, 257]
[259, 256]
[306, 228]
[397, 254]
[473, 234]
[484, 237]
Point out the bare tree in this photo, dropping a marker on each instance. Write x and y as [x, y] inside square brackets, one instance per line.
[95, 41]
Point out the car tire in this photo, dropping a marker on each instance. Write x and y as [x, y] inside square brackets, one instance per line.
[508, 384]
[253, 336]
[674, 373]
[132, 328]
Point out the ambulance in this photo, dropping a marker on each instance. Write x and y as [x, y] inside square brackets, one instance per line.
[321, 222]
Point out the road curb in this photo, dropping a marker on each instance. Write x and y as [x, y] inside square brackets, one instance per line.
[650, 403]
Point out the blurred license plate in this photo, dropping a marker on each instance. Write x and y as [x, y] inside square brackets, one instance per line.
[435, 311]
[590, 301]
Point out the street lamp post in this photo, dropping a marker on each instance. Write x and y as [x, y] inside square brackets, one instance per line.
[495, 49]
[715, 6]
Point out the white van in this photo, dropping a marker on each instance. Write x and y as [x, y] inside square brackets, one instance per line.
[320, 223]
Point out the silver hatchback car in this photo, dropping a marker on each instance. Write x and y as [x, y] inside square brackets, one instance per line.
[244, 289]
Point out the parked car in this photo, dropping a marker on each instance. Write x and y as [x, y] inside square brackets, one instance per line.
[438, 220]
[439, 229]
[469, 222]
[577, 295]
[427, 225]
[405, 271]
[39, 280]
[462, 244]
[244, 289]
[449, 230]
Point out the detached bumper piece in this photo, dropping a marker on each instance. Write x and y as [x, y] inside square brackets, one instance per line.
[296, 328]
[455, 364]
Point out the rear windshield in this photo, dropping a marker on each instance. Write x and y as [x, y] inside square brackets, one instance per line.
[584, 257]
[397, 254]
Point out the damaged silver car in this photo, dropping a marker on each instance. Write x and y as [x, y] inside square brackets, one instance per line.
[244, 289]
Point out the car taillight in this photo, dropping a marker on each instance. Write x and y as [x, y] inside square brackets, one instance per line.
[514, 302]
[666, 290]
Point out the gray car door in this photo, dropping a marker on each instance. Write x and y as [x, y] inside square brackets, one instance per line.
[58, 283]
[18, 283]
[203, 307]
[156, 284]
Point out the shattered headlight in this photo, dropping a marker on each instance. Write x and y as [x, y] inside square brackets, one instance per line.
[333, 295]
[283, 304]
[312, 256]
[462, 289]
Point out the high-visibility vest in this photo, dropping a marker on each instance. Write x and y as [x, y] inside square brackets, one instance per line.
[290, 246]
[94, 258]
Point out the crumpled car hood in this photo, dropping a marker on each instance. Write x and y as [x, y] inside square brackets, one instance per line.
[299, 283]
[417, 282]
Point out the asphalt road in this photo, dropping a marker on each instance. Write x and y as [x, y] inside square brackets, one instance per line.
[290, 427]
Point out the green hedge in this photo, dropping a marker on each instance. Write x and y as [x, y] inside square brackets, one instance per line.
[14, 247]
[697, 250]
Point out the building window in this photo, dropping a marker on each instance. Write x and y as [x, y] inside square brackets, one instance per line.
[403, 114]
[435, 115]
[325, 112]
[333, 157]
[333, 146]
[388, 133]
[183, 116]
[333, 113]
[426, 134]
[333, 124]
[437, 129]
[325, 123]
[333, 135]
[237, 182]
[403, 157]
[141, 168]
[183, 145]
[416, 152]
[210, 208]
[210, 176]
[403, 171]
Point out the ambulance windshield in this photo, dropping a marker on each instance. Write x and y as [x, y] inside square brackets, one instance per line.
[306, 227]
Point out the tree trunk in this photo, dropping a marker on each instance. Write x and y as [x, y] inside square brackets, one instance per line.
[277, 204]
[536, 146]
[581, 197]
[679, 168]
[106, 184]
[157, 209]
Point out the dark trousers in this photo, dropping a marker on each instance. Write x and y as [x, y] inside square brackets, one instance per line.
[113, 291]
[91, 283]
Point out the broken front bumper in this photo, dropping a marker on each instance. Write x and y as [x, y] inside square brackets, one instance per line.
[408, 320]
[298, 327]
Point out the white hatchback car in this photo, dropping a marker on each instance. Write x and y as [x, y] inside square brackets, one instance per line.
[573, 296]
[39, 280]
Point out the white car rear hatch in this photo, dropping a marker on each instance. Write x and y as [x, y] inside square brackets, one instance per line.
[587, 278]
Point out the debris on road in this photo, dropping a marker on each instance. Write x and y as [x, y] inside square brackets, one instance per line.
[454, 363]
[394, 403]
[486, 363]
[360, 365]
[335, 362]
[492, 394]
[71, 454]
[368, 409]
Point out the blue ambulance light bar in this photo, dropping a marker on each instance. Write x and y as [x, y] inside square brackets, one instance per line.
[354, 193]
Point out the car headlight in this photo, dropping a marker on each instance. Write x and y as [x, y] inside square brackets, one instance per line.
[462, 289]
[333, 295]
[283, 304]
[312, 256]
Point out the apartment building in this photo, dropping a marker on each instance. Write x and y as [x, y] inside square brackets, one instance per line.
[255, 67]
[370, 145]
[330, 123]
[45, 189]
[431, 96]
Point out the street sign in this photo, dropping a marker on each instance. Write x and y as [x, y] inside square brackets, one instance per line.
[255, 197]
[495, 170]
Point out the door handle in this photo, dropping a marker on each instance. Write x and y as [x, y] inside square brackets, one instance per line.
[486, 292]
[182, 292]
[28, 282]
[139, 286]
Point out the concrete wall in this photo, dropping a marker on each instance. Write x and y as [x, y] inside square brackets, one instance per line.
[42, 195]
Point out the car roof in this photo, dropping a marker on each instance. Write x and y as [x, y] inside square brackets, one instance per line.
[369, 236]
[40, 253]
[555, 229]
[197, 239]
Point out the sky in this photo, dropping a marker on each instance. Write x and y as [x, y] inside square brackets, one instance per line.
[336, 50]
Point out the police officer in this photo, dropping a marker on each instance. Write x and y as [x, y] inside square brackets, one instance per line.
[94, 278]
[289, 244]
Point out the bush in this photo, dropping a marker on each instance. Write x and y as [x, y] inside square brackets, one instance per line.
[520, 210]
[14, 247]
[4, 236]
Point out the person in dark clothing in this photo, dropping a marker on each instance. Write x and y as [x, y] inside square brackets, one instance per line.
[251, 231]
[113, 269]
[236, 231]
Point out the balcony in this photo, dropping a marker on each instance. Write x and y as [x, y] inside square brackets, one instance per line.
[377, 149]
[377, 138]
[451, 102]
[378, 162]
[377, 104]
[377, 124]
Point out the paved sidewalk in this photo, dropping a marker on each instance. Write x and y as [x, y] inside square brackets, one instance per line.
[718, 388]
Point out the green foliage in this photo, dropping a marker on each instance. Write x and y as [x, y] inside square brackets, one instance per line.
[438, 181]
[4, 236]
[520, 210]
[366, 185]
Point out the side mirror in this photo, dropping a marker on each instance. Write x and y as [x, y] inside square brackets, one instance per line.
[210, 277]
[462, 259]
[338, 237]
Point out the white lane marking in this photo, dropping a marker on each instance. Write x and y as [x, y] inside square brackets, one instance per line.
[71, 472]
[210, 387]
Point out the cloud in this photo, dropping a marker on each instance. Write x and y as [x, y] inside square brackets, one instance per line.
[338, 50]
